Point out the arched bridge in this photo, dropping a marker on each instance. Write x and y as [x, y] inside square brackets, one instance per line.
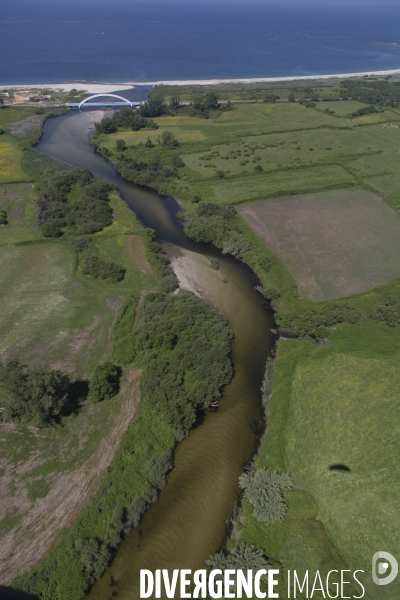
[87, 102]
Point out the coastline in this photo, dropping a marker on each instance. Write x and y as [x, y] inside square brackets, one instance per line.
[93, 87]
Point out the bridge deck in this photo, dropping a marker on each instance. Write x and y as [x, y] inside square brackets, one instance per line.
[76, 105]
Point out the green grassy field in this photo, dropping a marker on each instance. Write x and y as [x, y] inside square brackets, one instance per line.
[10, 161]
[51, 311]
[335, 405]
[22, 127]
[341, 108]
[298, 150]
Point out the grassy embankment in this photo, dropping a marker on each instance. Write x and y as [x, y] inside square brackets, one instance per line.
[330, 403]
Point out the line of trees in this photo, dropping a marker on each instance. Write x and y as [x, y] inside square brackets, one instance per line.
[202, 105]
[41, 396]
[372, 91]
[126, 118]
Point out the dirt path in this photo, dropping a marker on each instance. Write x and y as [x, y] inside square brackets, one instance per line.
[42, 528]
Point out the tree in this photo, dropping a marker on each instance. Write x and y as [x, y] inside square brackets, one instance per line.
[264, 490]
[154, 107]
[160, 467]
[245, 557]
[104, 383]
[120, 145]
[95, 557]
[168, 140]
[236, 245]
[3, 217]
[106, 125]
[51, 230]
[175, 102]
[291, 97]
[37, 396]
[211, 101]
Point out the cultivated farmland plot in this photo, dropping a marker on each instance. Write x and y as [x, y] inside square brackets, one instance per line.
[334, 243]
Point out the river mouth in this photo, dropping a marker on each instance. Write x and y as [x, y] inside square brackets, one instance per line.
[187, 523]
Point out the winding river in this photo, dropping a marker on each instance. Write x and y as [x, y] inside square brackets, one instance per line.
[187, 523]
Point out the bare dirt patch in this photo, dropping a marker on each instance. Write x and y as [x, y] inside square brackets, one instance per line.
[77, 342]
[137, 253]
[333, 243]
[70, 492]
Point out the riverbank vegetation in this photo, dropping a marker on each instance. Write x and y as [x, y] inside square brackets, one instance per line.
[182, 344]
[332, 387]
[78, 274]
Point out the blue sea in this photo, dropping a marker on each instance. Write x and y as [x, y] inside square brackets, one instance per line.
[136, 40]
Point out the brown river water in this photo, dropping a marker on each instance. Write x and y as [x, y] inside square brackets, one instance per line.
[187, 523]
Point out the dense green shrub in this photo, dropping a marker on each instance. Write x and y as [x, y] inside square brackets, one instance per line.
[210, 224]
[160, 467]
[37, 396]
[157, 171]
[272, 293]
[95, 556]
[214, 264]
[169, 140]
[314, 323]
[120, 145]
[389, 312]
[264, 490]
[75, 201]
[80, 243]
[154, 107]
[106, 125]
[236, 245]
[51, 230]
[104, 383]
[184, 345]
[245, 557]
[141, 504]
[371, 91]
[126, 118]
[264, 262]
[99, 268]
[123, 351]
[267, 384]
[169, 283]
[3, 217]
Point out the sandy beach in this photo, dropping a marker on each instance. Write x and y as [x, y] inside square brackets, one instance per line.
[271, 79]
[113, 87]
[90, 87]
